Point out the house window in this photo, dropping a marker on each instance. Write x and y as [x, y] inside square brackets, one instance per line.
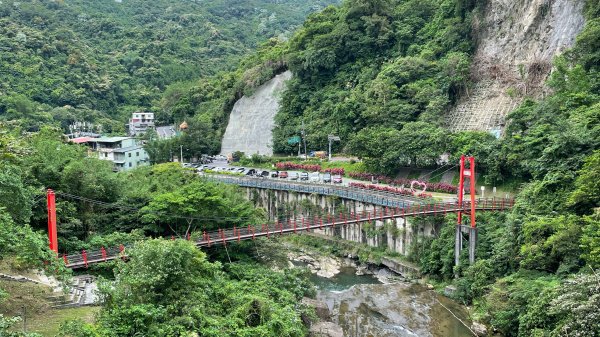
[137, 154]
[129, 154]
[129, 164]
[105, 155]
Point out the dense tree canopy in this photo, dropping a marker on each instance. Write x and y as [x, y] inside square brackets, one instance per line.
[170, 289]
[98, 61]
[376, 64]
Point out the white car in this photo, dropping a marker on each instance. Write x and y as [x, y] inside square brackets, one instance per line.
[315, 177]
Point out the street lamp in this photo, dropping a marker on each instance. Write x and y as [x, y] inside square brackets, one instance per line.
[332, 138]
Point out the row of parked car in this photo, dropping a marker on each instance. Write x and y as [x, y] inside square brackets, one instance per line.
[314, 177]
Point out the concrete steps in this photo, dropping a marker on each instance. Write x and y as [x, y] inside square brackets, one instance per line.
[82, 292]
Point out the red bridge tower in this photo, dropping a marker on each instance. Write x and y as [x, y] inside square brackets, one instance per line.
[467, 210]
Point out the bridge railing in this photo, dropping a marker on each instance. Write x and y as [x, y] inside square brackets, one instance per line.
[291, 224]
[369, 196]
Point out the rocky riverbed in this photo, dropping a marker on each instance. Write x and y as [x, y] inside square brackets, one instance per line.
[354, 300]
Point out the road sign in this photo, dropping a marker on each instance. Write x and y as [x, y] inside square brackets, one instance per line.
[293, 140]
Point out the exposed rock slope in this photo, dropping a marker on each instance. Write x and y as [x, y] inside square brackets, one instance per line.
[252, 119]
[517, 41]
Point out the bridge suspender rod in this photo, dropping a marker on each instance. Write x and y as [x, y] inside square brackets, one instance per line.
[223, 237]
[84, 256]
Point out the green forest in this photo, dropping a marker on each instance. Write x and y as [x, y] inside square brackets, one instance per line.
[381, 74]
[98, 61]
[172, 287]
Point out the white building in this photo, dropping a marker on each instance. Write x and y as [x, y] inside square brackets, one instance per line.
[124, 152]
[140, 122]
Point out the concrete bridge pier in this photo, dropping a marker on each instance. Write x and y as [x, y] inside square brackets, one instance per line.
[395, 234]
[471, 233]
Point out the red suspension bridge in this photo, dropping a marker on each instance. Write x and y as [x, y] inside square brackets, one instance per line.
[297, 225]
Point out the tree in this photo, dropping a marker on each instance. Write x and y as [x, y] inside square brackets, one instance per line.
[15, 196]
[577, 304]
[169, 288]
[421, 144]
[590, 240]
[586, 195]
[551, 244]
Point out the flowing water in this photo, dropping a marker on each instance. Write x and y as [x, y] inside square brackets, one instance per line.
[365, 307]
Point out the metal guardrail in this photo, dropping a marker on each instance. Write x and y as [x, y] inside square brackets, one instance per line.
[379, 198]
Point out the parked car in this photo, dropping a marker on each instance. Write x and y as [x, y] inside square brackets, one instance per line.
[263, 174]
[327, 177]
[294, 176]
[304, 176]
[315, 177]
[240, 169]
[283, 174]
[274, 174]
[251, 172]
[337, 179]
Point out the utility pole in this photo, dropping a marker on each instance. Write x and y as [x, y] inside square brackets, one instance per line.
[181, 154]
[332, 138]
[304, 138]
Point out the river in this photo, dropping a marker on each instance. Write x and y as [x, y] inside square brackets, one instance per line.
[364, 306]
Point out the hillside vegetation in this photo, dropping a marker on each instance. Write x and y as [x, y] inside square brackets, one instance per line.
[97, 61]
[382, 74]
[170, 286]
[379, 73]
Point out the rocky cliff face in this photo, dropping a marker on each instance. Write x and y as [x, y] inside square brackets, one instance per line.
[527, 31]
[251, 122]
[517, 40]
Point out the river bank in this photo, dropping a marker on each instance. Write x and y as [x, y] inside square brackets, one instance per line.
[366, 299]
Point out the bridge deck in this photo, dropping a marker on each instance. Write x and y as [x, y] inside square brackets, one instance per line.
[380, 198]
[291, 226]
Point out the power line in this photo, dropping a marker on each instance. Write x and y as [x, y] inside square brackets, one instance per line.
[127, 208]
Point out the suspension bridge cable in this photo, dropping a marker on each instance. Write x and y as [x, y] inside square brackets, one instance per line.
[439, 168]
[439, 174]
[127, 208]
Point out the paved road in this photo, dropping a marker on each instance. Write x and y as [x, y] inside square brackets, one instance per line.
[224, 163]
[345, 182]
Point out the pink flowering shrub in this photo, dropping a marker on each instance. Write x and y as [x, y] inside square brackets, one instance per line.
[432, 187]
[294, 166]
[389, 189]
[335, 171]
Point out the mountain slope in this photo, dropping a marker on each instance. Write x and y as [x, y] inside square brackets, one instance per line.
[108, 58]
